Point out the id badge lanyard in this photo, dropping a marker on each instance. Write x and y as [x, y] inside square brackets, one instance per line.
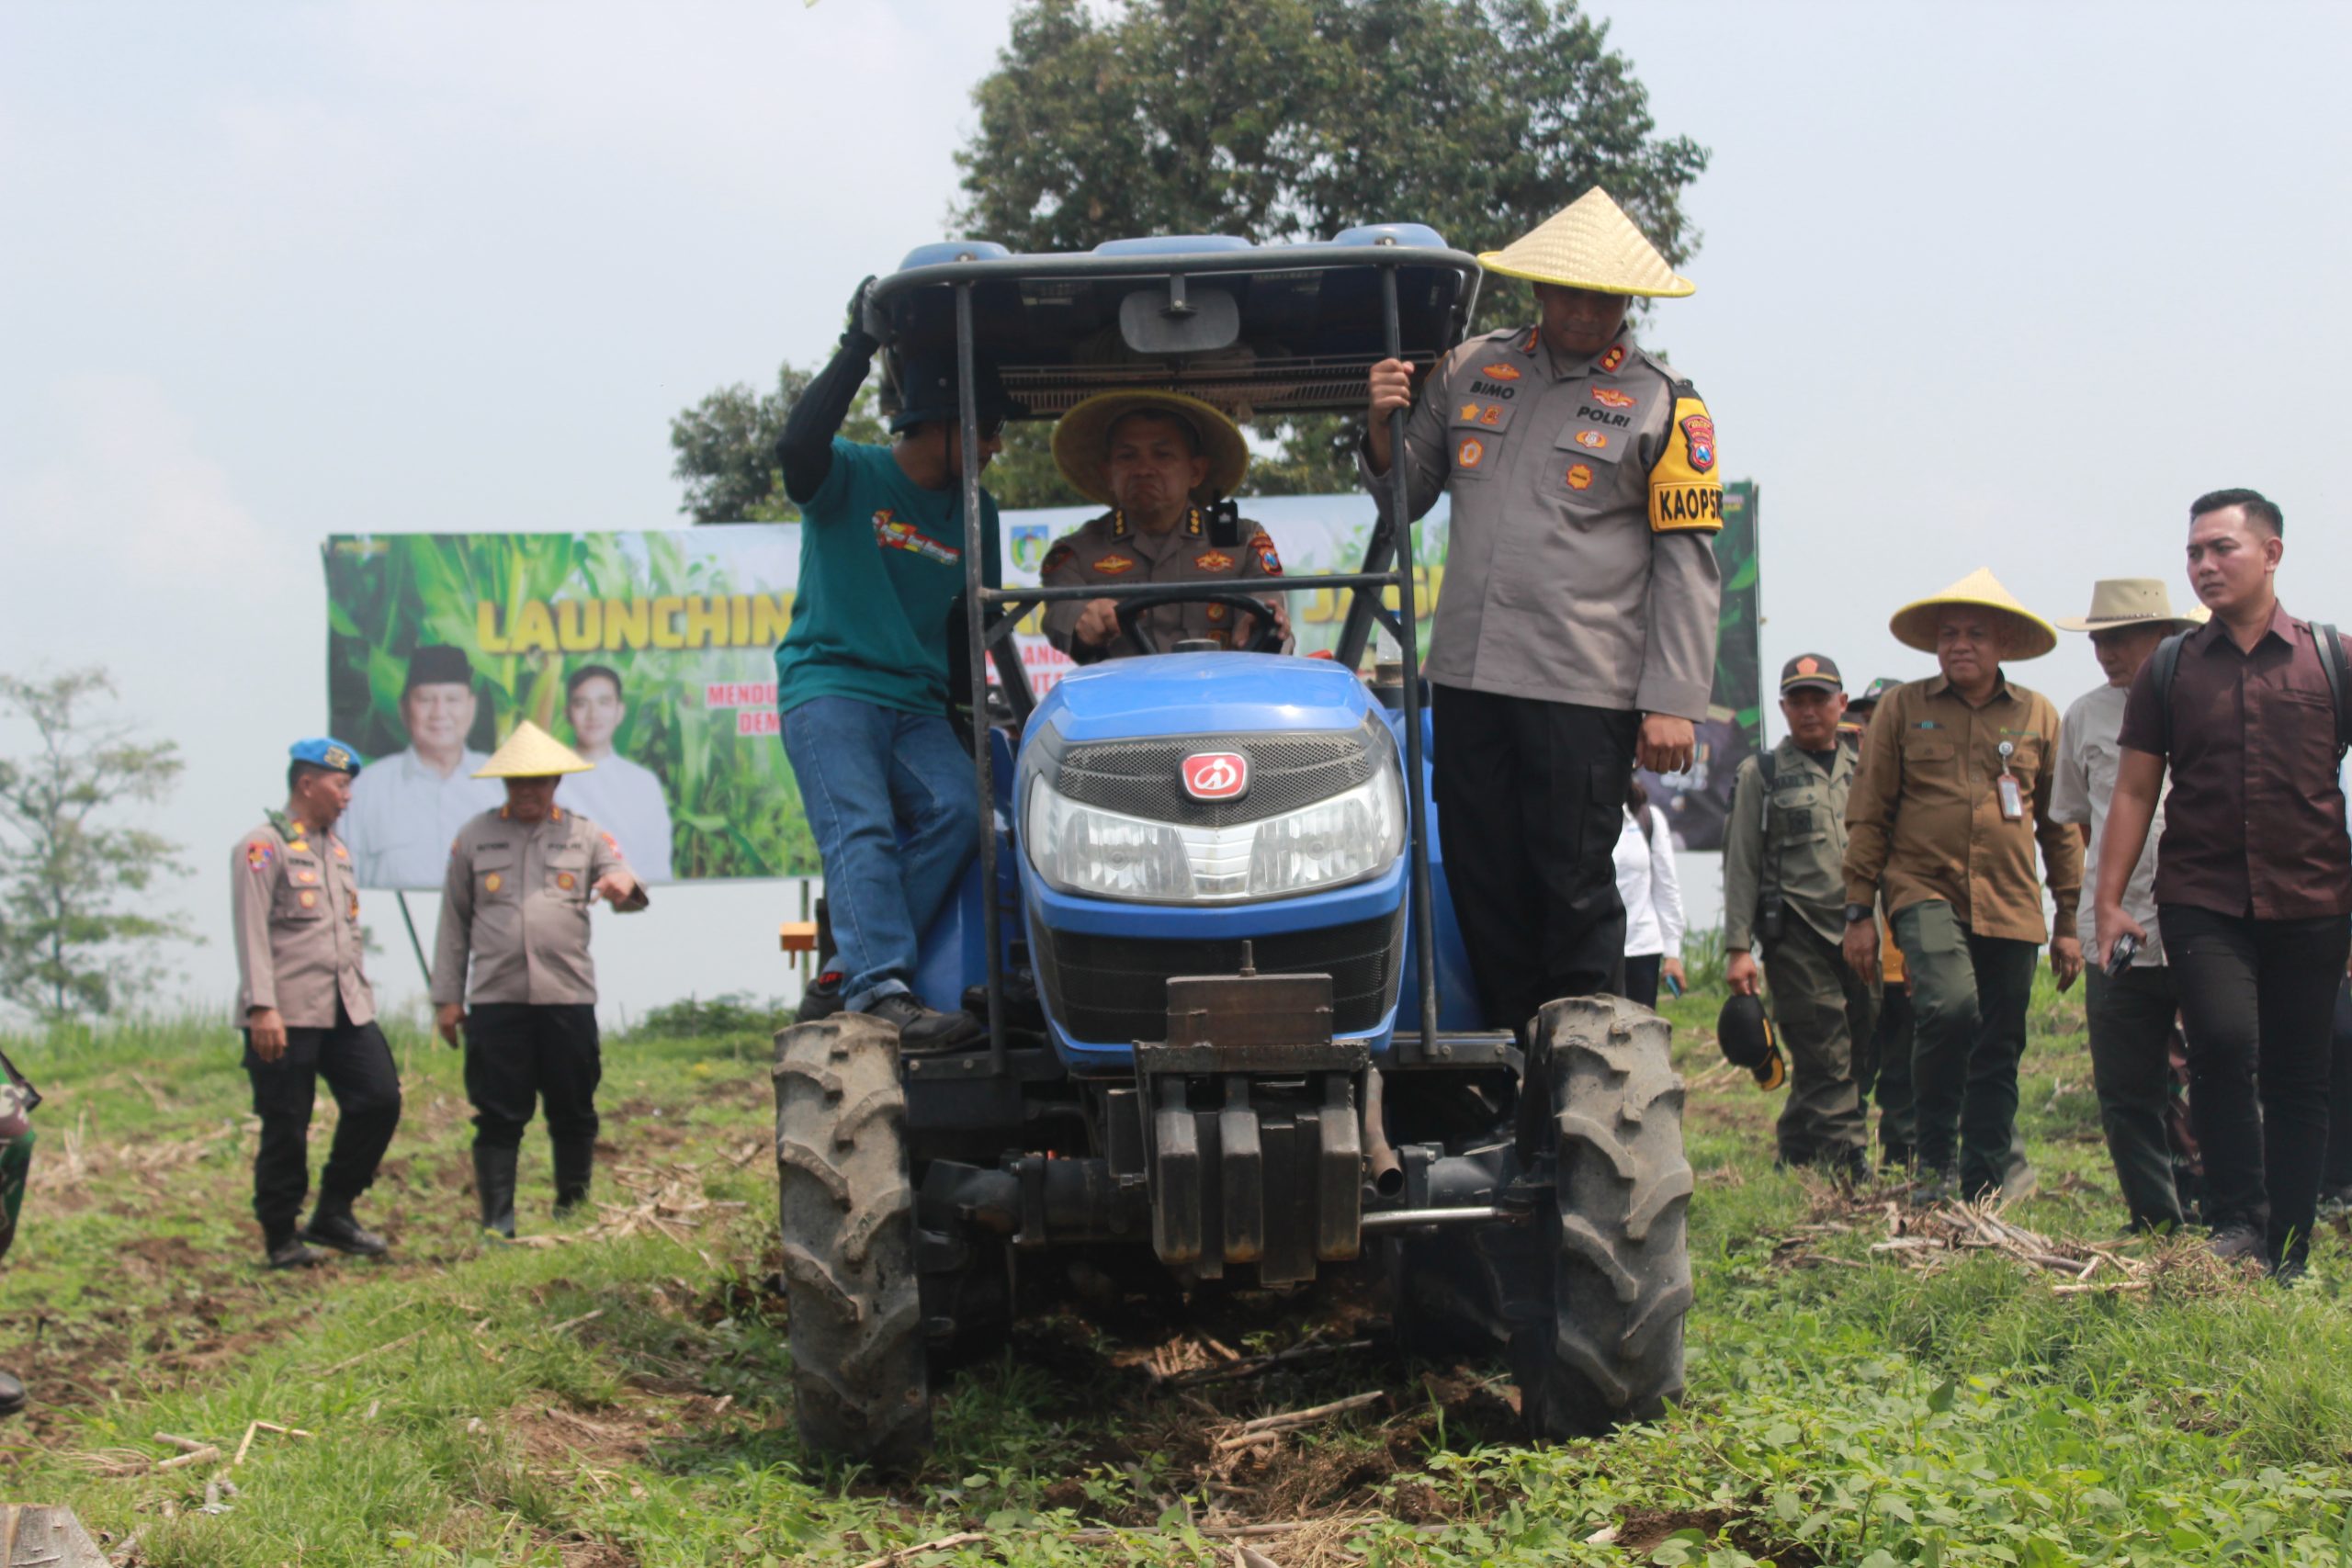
[2006, 789]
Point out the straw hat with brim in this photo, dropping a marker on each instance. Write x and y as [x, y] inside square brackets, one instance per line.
[1082, 440]
[2132, 602]
[2030, 636]
[1589, 243]
[532, 753]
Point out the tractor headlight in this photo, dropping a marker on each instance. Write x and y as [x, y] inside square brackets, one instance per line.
[1106, 855]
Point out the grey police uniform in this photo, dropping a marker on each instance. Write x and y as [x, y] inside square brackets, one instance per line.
[1786, 843]
[514, 947]
[1580, 588]
[295, 906]
[1202, 548]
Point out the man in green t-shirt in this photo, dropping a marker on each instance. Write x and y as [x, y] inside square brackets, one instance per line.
[861, 672]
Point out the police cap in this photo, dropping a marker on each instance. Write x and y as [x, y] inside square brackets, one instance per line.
[326, 752]
[1746, 1036]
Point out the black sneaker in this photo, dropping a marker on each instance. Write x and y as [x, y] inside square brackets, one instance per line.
[823, 998]
[336, 1228]
[12, 1394]
[2336, 1204]
[291, 1253]
[2232, 1243]
[922, 1029]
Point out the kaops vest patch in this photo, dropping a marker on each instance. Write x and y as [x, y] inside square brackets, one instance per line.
[1686, 493]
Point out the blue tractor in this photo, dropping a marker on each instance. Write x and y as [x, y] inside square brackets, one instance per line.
[1231, 1032]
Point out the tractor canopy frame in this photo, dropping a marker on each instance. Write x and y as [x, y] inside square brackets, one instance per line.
[1265, 331]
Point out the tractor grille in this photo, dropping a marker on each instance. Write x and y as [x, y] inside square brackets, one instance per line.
[1113, 989]
[1141, 778]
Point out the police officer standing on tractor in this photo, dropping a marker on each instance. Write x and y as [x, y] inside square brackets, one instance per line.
[309, 1013]
[514, 909]
[1162, 462]
[1575, 631]
[1784, 887]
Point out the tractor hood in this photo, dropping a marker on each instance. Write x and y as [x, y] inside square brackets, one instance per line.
[1200, 693]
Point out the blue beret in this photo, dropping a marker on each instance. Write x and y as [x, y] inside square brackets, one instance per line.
[326, 752]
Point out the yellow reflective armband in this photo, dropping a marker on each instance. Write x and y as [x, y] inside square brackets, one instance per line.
[1686, 492]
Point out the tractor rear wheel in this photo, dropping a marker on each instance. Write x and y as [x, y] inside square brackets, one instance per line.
[846, 1207]
[1610, 1348]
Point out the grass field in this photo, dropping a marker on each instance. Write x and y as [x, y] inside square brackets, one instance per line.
[618, 1397]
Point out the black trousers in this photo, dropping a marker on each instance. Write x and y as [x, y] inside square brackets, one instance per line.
[357, 1063]
[1641, 972]
[2338, 1174]
[2258, 997]
[518, 1053]
[1531, 797]
[2130, 1028]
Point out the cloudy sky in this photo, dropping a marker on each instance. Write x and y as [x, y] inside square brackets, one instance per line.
[1981, 285]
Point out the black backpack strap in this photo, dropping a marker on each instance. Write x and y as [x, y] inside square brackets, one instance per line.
[2166, 661]
[2331, 663]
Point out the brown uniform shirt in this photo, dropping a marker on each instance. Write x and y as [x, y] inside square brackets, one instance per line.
[1580, 566]
[1924, 819]
[2255, 822]
[295, 907]
[515, 901]
[1108, 549]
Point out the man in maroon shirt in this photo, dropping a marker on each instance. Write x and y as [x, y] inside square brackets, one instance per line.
[2253, 917]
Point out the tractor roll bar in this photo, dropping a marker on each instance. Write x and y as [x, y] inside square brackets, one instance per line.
[1392, 542]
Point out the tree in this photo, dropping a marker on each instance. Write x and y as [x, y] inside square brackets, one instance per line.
[726, 448]
[68, 942]
[1293, 119]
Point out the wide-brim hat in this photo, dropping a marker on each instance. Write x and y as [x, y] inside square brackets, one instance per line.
[2131, 601]
[1589, 243]
[2030, 637]
[1082, 439]
[532, 753]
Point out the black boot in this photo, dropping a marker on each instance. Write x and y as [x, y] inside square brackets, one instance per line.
[332, 1225]
[289, 1252]
[494, 1184]
[575, 1165]
[12, 1394]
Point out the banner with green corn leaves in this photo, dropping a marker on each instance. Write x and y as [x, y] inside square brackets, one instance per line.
[686, 621]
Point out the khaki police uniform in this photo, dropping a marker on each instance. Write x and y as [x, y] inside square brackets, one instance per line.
[1581, 591]
[512, 947]
[1198, 549]
[1787, 841]
[295, 907]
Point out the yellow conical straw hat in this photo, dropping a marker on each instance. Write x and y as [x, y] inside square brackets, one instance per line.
[1589, 243]
[532, 753]
[2030, 637]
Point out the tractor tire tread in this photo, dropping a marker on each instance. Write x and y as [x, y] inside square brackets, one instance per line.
[845, 1207]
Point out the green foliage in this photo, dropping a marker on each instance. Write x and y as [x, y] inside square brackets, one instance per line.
[77, 924]
[1292, 119]
[468, 1411]
[732, 1013]
[726, 448]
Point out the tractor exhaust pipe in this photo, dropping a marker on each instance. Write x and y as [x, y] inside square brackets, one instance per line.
[1381, 1166]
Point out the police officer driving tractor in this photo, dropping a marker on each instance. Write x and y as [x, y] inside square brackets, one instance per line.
[1576, 631]
[1161, 462]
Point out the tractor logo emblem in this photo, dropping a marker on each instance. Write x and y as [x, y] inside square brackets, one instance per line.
[1215, 775]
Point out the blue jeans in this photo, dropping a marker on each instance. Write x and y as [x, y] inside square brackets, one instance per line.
[888, 796]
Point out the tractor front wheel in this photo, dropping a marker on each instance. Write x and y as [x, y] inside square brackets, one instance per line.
[1616, 1260]
[846, 1206]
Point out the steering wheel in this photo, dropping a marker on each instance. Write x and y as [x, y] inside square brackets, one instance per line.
[1267, 639]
